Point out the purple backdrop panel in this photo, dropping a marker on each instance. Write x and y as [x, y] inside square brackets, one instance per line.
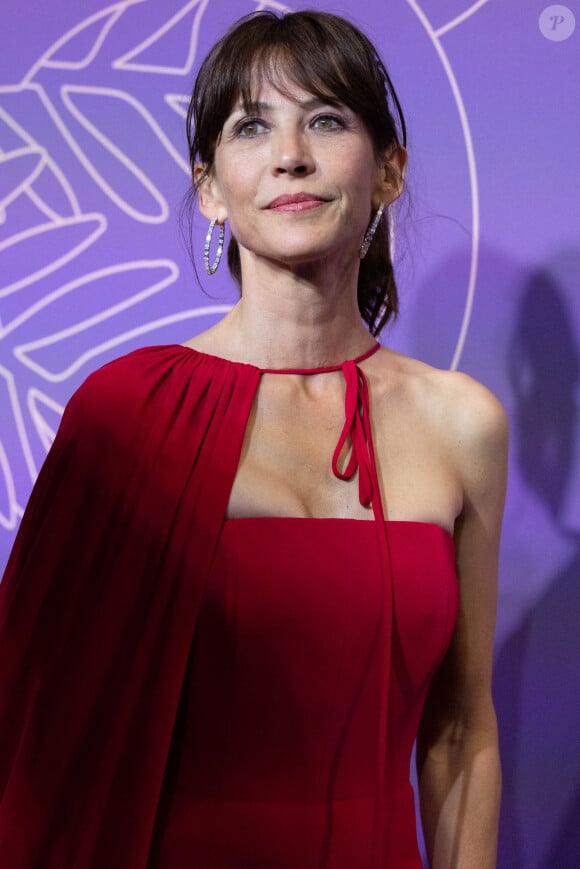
[93, 168]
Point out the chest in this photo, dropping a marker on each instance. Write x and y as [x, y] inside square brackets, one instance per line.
[292, 433]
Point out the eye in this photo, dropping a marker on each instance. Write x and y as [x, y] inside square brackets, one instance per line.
[248, 128]
[328, 122]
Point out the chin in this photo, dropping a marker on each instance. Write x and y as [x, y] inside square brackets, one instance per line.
[309, 250]
[302, 257]
[295, 252]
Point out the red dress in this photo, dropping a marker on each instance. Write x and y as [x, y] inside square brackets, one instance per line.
[177, 689]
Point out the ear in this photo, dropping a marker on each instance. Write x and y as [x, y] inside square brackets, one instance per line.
[391, 174]
[210, 199]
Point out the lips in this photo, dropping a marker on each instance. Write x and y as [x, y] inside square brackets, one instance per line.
[296, 202]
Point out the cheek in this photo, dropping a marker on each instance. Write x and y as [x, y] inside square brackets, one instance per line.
[362, 190]
[238, 184]
[239, 191]
[357, 171]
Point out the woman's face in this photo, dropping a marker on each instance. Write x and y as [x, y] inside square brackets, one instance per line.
[296, 178]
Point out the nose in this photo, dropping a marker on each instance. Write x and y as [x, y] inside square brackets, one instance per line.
[292, 155]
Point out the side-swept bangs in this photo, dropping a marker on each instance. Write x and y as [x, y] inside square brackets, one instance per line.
[320, 53]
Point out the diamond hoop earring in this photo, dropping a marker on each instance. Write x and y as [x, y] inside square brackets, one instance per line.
[212, 269]
[370, 233]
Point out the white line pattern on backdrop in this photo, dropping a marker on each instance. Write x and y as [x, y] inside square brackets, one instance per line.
[52, 166]
[104, 346]
[9, 521]
[445, 28]
[15, 509]
[34, 233]
[126, 61]
[169, 266]
[432, 34]
[110, 13]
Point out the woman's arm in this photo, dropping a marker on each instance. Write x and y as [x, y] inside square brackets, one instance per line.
[457, 745]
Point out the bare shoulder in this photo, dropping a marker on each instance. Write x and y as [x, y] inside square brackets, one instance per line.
[472, 412]
[456, 408]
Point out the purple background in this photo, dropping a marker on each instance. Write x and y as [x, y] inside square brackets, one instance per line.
[92, 172]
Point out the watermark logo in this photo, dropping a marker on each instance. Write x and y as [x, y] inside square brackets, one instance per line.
[557, 23]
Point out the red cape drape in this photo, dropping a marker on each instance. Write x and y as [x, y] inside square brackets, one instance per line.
[97, 614]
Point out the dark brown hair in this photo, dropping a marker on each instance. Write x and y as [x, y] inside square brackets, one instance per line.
[331, 59]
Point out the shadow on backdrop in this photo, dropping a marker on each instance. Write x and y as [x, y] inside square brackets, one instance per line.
[536, 685]
[523, 343]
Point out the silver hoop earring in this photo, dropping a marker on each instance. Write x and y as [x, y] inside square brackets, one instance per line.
[212, 269]
[370, 233]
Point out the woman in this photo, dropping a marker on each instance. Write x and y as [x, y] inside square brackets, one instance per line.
[208, 659]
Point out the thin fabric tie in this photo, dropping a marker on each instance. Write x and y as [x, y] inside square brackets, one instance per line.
[357, 427]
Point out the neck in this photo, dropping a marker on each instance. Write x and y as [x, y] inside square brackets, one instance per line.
[305, 317]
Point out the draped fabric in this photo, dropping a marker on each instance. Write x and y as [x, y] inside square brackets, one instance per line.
[97, 614]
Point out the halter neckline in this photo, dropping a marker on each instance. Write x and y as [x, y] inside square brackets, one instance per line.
[326, 368]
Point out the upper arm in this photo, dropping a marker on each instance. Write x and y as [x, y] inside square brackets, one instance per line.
[460, 695]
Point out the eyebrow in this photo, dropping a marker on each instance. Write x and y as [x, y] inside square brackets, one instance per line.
[312, 103]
